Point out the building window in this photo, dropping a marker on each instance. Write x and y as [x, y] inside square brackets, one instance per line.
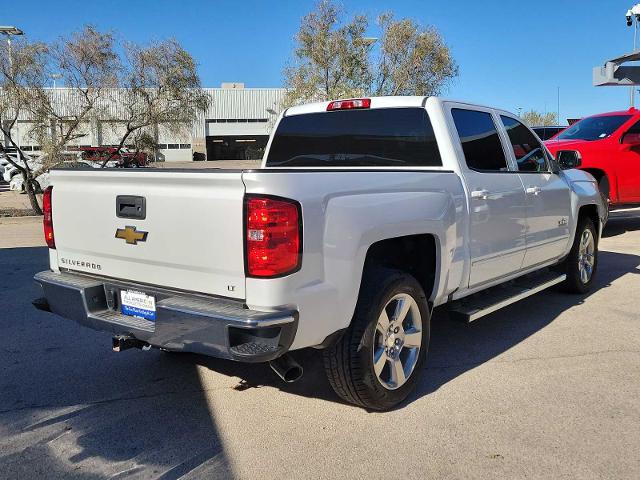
[238, 120]
[173, 146]
[162, 146]
[185, 145]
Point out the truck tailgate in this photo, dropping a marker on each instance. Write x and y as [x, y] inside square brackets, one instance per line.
[193, 224]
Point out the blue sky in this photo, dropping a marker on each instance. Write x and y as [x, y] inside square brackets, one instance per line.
[512, 54]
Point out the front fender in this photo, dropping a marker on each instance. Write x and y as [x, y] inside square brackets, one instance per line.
[585, 192]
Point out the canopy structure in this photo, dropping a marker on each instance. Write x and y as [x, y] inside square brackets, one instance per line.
[614, 74]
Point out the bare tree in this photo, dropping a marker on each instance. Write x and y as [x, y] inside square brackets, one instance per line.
[538, 119]
[331, 60]
[139, 88]
[412, 60]
[22, 70]
[337, 60]
[88, 64]
[160, 86]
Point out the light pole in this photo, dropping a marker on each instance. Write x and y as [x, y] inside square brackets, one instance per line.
[8, 32]
[54, 77]
[633, 17]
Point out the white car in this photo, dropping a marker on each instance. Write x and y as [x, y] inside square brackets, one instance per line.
[17, 183]
[366, 214]
[11, 171]
[43, 181]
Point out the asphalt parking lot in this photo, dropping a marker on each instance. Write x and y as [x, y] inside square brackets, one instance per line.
[547, 388]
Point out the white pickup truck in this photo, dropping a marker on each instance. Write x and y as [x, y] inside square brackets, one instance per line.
[366, 214]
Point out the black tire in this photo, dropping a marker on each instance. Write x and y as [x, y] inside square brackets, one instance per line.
[349, 362]
[571, 265]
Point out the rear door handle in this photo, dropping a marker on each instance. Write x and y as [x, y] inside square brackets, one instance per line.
[533, 190]
[480, 194]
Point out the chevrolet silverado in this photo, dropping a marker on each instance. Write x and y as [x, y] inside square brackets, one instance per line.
[366, 214]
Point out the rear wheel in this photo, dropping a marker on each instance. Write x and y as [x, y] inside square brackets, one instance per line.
[582, 262]
[377, 361]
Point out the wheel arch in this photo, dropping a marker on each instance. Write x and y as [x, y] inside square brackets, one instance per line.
[414, 254]
[599, 174]
[590, 211]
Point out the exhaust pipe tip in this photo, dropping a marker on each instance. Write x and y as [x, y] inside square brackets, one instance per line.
[42, 304]
[119, 343]
[287, 368]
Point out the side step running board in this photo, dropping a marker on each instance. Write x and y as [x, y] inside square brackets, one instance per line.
[484, 303]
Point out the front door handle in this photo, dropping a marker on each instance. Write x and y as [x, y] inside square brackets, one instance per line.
[480, 194]
[533, 190]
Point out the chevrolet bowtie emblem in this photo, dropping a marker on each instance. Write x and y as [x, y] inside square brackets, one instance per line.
[131, 235]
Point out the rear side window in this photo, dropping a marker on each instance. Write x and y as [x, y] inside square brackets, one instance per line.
[526, 147]
[480, 141]
[386, 137]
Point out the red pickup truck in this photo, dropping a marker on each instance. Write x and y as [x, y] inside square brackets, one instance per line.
[125, 159]
[610, 147]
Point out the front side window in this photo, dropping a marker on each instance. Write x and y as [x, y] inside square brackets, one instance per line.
[385, 137]
[526, 147]
[593, 128]
[480, 141]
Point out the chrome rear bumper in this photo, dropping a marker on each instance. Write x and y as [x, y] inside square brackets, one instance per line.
[209, 326]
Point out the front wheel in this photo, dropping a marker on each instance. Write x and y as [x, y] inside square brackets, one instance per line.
[582, 262]
[377, 361]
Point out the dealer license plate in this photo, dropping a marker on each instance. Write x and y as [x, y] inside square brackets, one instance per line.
[138, 304]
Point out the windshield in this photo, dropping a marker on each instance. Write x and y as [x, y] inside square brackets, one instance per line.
[594, 128]
[399, 137]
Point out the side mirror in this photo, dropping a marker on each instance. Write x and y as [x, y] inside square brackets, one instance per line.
[568, 159]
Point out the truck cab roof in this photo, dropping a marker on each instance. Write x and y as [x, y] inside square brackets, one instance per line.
[381, 102]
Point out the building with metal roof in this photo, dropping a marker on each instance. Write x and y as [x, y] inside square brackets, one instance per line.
[235, 126]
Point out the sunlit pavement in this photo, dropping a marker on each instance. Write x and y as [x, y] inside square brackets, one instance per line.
[547, 388]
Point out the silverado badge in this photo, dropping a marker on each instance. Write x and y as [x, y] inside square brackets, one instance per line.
[131, 235]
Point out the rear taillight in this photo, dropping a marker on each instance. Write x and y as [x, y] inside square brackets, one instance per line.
[273, 236]
[47, 219]
[352, 103]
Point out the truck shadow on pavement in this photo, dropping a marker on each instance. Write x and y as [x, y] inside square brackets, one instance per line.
[622, 222]
[71, 408]
[455, 347]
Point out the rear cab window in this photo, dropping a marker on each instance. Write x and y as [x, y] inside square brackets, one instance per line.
[383, 137]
